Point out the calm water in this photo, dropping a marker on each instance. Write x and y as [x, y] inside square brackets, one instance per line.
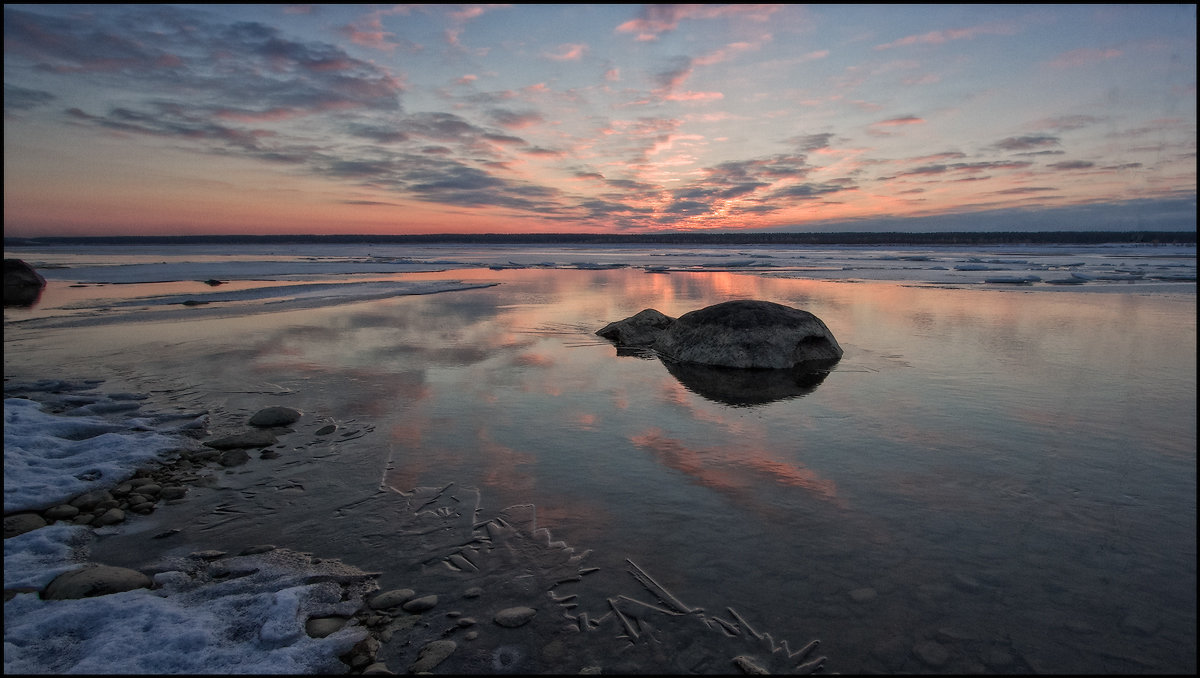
[1009, 475]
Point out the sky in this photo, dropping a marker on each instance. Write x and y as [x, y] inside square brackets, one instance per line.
[393, 119]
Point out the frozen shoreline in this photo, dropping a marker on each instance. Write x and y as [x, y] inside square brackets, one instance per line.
[274, 610]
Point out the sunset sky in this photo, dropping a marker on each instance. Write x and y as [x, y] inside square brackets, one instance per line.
[209, 119]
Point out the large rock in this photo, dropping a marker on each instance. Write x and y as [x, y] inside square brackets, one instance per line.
[749, 334]
[96, 580]
[741, 334]
[22, 284]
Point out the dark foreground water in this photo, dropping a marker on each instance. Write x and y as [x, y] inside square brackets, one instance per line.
[988, 481]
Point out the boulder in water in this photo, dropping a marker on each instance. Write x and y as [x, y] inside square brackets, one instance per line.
[22, 284]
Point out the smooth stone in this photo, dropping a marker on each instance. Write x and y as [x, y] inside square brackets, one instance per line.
[20, 523]
[513, 617]
[275, 416]
[473, 592]
[88, 500]
[149, 489]
[211, 554]
[326, 430]
[433, 654]
[392, 598]
[233, 458]
[110, 517]
[255, 550]
[144, 507]
[92, 581]
[377, 669]
[245, 439]
[932, 653]
[173, 492]
[63, 512]
[863, 595]
[419, 605]
[319, 627]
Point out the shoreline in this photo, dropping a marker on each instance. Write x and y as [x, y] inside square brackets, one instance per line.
[495, 593]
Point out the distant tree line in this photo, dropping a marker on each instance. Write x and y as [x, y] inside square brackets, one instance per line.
[663, 238]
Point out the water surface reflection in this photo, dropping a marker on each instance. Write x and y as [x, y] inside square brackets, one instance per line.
[1008, 475]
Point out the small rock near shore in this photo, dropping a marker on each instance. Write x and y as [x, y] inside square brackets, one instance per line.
[275, 416]
[20, 523]
[513, 617]
[97, 580]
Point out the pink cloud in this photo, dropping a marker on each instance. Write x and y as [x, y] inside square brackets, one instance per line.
[693, 96]
[655, 20]
[941, 37]
[728, 52]
[1084, 57]
[568, 52]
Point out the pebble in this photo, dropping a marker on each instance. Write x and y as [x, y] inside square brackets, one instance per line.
[433, 654]
[513, 617]
[260, 548]
[63, 512]
[110, 517]
[393, 598]
[932, 653]
[275, 416]
[173, 492]
[319, 627]
[473, 592]
[326, 430]
[88, 500]
[377, 669]
[206, 555]
[419, 605]
[95, 581]
[863, 595]
[234, 458]
[20, 523]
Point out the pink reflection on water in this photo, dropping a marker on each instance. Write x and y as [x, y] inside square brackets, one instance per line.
[734, 470]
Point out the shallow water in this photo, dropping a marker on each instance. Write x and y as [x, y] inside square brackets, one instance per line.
[1008, 475]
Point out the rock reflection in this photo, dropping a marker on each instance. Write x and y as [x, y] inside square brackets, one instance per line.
[748, 387]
